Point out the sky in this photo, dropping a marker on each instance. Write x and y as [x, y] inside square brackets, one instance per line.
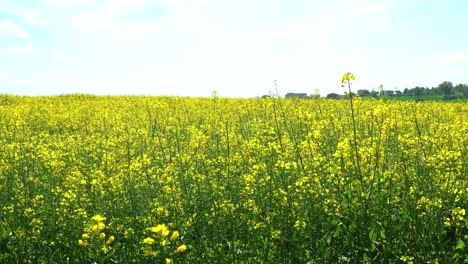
[235, 47]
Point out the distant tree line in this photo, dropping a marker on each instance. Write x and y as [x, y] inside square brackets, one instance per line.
[446, 90]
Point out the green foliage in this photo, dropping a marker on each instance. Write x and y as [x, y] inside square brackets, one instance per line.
[446, 88]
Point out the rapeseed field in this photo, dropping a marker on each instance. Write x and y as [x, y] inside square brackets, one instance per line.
[139, 179]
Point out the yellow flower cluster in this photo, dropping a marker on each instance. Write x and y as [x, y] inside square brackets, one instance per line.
[162, 242]
[94, 238]
[457, 218]
[407, 259]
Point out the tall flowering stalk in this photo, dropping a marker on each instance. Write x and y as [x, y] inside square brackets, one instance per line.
[346, 80]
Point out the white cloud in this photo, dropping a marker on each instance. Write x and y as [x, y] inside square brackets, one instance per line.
[452, 57]
[21, 82]
[106, 16]
[11, 28]
[191, 6]
[94, 21]
[22, 50]
[68, 3]
[29, 16]
[299, 52]
[57, 54]
[125, 5]
[4, 75]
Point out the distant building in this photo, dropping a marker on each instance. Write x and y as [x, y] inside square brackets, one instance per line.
[296, 95]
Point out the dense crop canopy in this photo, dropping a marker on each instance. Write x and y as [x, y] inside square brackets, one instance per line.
[216, 180]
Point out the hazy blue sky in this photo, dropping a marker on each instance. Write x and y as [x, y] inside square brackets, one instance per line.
[237, 47]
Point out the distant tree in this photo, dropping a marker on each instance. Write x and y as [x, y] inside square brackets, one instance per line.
[418, 91]
[446, 88]
[406, 91]
[333, 96]
[296, 95]
[363, 92]
[388, 92]
[461, 89]
[347, 94]
[428, 90]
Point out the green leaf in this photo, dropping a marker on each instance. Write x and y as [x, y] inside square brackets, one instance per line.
[461, 245]
[337, 231]
[372, 235]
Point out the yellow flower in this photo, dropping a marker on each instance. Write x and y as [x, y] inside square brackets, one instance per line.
[164, 243]
[407, 259]
[85, 236]
[147, 252]
[102, 235]
[347, 77]
[276, 234]
[129, 232]
[161, 230]
[105, 249]
[447, 222]
[101, 226]
[168, 261]
[82, 243]
[110, 240]
[148, 241]
[174, 235]
[98, 218]
[181, 249]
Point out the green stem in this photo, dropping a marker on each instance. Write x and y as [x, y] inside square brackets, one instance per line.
[355, 135]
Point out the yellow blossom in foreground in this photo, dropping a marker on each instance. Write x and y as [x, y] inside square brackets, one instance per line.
[181, 249]
[148, 241]
[407, 259]
[110, 240]
[174, 236]
[82, 243]
[85, 236]
[447, 222]
[161, 230]
[105, 249]
[168, 261]
[149, 253]
[129, 232]
[98, 218]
